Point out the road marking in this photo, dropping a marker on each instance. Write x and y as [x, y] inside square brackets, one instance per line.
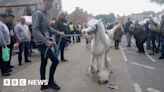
[137, 87]
[152, 90]
[124, 55]
[142, 65]
[151, 58]
[134, 53]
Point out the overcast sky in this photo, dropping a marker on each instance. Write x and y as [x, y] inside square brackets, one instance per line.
[121, 7]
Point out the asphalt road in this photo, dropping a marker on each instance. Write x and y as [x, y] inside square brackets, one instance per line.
[147, 71]
[73, 76]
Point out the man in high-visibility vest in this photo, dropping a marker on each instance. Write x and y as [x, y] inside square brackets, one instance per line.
[71, 29]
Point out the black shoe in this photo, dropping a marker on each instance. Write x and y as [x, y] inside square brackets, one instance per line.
[11, 66]
[6, 74]
[20, 64]
[64, 60]
[142, 52]
[9, 70]
[28, 61]
[138, 52]
[44, 87]
[161, 57]
[151, 53]
[128, 46]
[54, 86]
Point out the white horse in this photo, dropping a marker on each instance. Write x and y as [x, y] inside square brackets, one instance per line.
[100, 45]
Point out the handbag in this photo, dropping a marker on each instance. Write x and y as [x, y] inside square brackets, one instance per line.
[153, 28]
[5, 54]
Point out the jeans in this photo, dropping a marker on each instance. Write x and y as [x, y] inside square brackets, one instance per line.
[51, 55]
[23, 46]
[129, 36]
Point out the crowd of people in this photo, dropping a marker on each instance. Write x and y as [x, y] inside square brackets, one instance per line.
[150, 33]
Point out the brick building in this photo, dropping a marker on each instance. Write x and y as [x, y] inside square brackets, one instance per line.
[25, 7]
[79, 16]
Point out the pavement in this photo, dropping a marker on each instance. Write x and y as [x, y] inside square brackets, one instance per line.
[73, 76]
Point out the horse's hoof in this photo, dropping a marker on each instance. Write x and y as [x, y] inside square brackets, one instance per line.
[111, 72]
[102, 82]
[97, 71]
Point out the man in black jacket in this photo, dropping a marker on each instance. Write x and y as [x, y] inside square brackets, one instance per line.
[62, 26]
[10, 26]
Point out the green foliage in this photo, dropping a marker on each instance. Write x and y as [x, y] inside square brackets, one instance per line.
[106, 18]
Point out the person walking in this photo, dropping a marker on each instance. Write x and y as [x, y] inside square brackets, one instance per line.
[118, 35]
[41, 35]
[127, 32]
[153, 36]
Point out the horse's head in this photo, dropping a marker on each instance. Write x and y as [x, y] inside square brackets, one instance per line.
[92, 26]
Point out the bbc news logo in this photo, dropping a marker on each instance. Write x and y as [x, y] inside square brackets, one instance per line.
[24, 82]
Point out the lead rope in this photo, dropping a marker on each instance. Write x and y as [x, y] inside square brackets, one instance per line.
[55, 48]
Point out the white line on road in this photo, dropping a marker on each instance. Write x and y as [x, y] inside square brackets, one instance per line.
[152, 90]
[137, 87]
[130, 52]
[124, 55]
[151, 58]
[142, 65]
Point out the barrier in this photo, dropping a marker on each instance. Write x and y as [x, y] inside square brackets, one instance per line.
[73, 37]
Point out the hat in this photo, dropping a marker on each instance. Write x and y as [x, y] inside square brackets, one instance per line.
[60, 13]
[3, 15]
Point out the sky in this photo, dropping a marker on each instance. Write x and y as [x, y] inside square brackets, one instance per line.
[118, 7]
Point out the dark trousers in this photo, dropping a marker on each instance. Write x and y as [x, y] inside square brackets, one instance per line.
[117, 43]
[3, 65]
[23, 46]
[129, 37]
[11, 49]
[51, 55]
[62, 47]
[154, 47]
[140, 45]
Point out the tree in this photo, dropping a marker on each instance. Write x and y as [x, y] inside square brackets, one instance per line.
[106, 18]
[160, 2]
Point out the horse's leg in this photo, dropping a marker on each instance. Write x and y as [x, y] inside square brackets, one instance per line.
[97, 64]
[107, 65]
[86, 42]
[104, 73]
[91, 68]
